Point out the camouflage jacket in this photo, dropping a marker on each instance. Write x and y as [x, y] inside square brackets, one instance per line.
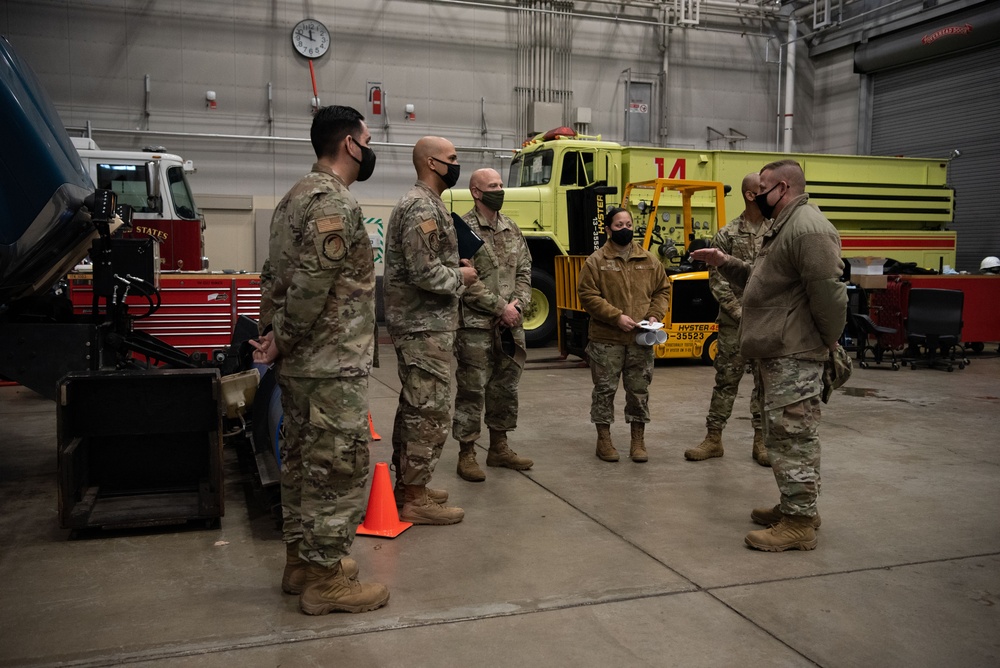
[611, 285]
[422, 280]
[738, 240]
[320, 281]
[504, 267]
[795, 304]
[266, 305]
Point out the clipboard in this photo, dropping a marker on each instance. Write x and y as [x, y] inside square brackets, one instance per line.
[468, 241]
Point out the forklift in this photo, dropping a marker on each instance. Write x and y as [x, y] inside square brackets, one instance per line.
[672, 217]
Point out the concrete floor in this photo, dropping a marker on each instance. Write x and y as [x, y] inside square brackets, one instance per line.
[575, 562]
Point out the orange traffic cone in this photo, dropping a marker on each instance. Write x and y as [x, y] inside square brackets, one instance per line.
[371, 428]
[382, 518]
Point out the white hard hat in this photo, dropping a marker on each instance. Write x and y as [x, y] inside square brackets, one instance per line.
[990, 265]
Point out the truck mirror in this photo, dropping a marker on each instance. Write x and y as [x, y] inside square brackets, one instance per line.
[153, 199]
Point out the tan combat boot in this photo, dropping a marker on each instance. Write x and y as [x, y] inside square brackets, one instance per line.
[419, 508]
[792, 532]
[759, 451]
[435, 495]
[468, 469]
[294, 577]
[501, 455]
[710, 447]
[637, 451]
[605, 448]
[337, 589]
[768, 516]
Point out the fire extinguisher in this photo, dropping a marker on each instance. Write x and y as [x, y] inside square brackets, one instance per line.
[375, 97]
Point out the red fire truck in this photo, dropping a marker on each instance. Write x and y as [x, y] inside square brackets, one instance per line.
[154, 183]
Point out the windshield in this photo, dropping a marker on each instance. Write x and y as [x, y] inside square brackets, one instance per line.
[533, 169]
[180, 193]
[129, 184]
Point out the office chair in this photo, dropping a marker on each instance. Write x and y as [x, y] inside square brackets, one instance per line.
[934, 328]
[857, 304]
[868, 331]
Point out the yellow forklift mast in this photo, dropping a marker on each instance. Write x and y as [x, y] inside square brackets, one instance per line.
[690, 318]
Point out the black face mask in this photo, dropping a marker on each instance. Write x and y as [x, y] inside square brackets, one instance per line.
[622, 237]
[492, 199]
[367, 161]
[767, 210]
[451, 177]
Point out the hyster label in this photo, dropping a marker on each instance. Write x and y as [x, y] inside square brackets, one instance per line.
[696, 328]
[689, 336]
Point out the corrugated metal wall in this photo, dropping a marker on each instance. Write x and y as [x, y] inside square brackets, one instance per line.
[932, 108]
[445, 59]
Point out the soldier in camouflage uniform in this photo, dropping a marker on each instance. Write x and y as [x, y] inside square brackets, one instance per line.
[318, 322]
[794, 311]
[487, 375]
[423, 283]
[740, 239]
[620, 285]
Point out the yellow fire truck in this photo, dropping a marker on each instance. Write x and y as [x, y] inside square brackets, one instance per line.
[560, 184]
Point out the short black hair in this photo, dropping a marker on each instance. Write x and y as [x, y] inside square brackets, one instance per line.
[329, 127]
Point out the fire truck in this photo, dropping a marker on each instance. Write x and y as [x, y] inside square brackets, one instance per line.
[136, 445]
[154, 183]
[560, 183]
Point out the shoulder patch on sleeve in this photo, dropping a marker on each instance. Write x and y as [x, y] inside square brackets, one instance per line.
[331, 224]
[428, 226]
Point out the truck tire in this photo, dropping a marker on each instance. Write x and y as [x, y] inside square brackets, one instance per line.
[709, 350]
[540, 316]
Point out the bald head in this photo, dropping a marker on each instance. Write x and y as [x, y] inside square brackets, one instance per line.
[427, 147]
[481, 184]
[485, 179]
[431, 157]
[751, 182]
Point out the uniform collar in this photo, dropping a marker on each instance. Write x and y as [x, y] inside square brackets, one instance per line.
[746, 228]
[427, 189]
[323, 169]
[494, 225]
[609, 250]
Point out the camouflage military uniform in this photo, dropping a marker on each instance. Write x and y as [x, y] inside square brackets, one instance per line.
[422, 288]
[630, 362]
[319, 286]
[794, 307]
[485, 375]
[791, 389]
[612, 284]
[739, 240]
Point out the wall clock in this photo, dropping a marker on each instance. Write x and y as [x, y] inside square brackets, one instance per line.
[310, 38]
